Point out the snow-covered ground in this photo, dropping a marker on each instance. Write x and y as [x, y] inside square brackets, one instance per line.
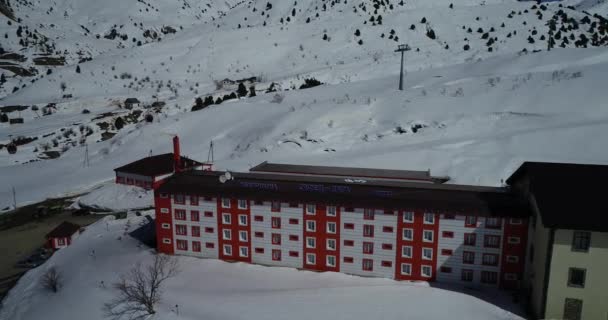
[216, 290]
[116, 197]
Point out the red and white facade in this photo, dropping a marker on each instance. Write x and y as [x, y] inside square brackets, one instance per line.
[407, 243]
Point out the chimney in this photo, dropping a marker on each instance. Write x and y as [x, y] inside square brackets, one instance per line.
[177, 166]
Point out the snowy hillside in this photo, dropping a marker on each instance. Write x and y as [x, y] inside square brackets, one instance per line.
[216, 290]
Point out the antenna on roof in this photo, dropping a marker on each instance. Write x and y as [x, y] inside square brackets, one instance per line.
[210, 154]
[150, 154]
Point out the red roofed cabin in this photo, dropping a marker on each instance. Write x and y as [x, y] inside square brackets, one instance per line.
[63, 235]
[149, 172]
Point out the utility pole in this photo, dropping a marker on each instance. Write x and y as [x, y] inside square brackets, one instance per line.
[402, 48]
[210, 154]
[14, 199]
[86, 155]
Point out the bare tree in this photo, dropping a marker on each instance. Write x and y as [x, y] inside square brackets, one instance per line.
[52, 279]
[139, 290]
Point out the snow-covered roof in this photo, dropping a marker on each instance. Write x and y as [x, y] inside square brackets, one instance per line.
[65, 229]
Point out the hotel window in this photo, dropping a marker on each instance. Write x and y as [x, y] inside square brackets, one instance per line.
[466, 275]
[181, 230]
[408, 217]
[258, 234]
[196, 246]
[446, 252]
[166, 241]
[489, 259]
[227, 250]
[194, 216]
[294, 254]
[275, 206]
[427, 271]
[349, 209]
[208, 214]
[427, 254]
[331, 227]
[226, 219]
[311, 258]
[429, 218]
[368, 230]
[179, 199]
[515, 221]
[493, 223]
[576, 277]
[293, 221]
[470, 221]
[349, 243]
[427, 236]
[208, 199]
[311, 209]
[293, 237]
[331, 211]
[446, 269]
[349, 226]
[243, 237]
[276, 255]
[164, 210]
[408, 234]
[386, 264]
[468, 257]
[227, 234]
[194, 200]
[182, 245]
[258, 218]
[196, 231]
[368, 247]
[368, 265]
[389, 212]
[209, 245]
[258, 203]
[491, 241]
[470, 239]
[311, 226]
[512, 259]
[293, 205]
[242, 204]
[276, 222]
[165, 226]
[387, 246]
[259, 250]
[513, 240]
[331, 244]
[387, 229]
[242, 219]
[180, 214]
[348, 259]
[447, 234]
[208, 229]
[581, 241]
[331, 261]
[406, 269]
[311, 242]
[489, 277]
[448, 216]
[225, 202]
[276, 238]
[244, 252]
[406, 251]
[368, 214]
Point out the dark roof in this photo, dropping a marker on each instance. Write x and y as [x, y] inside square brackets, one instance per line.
[376, 193]
[64, 230]
[343, 172]
[156, 165]
[568, 196]
[132, 100]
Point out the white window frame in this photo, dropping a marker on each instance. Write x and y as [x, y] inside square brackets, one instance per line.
[368, 227]
[164, 210]
[363, 261]
[243, 202]
[411, 234]
[430, 268]
[369, 214]
[165, 226]
[310, 223]
[166, 241]
[241, 252]
[241, 238]
[241, 223]
[229, 251]
[426, 250]
[225, 202]
[467, 222]
[512, 259]
[426, 215]
[409, 214]
[313, 256]
[330, 247]
[308, 243]
[410, 269]
[314, 209]
[403, 249]
[514, 240]
[494, 261]
[226, 218]
[226, 236]
[327, 262]
[329, 229]
[331, 211]
[425, 232]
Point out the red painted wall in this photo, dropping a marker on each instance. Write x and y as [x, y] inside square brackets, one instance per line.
[518, 250]
[321, 236]
[234, 226]
[417, 244]
[163, 218]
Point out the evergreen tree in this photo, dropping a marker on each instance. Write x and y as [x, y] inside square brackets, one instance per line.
[78, 69]
[252, 91]
[119, 123]
[241, 91]
[357, 33]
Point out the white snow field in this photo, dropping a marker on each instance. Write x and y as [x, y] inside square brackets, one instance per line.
[110, 196]
[216, 290]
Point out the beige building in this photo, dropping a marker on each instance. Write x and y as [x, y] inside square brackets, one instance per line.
[567, 263]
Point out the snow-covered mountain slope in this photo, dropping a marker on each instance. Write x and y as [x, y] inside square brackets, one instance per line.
[217, 290]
